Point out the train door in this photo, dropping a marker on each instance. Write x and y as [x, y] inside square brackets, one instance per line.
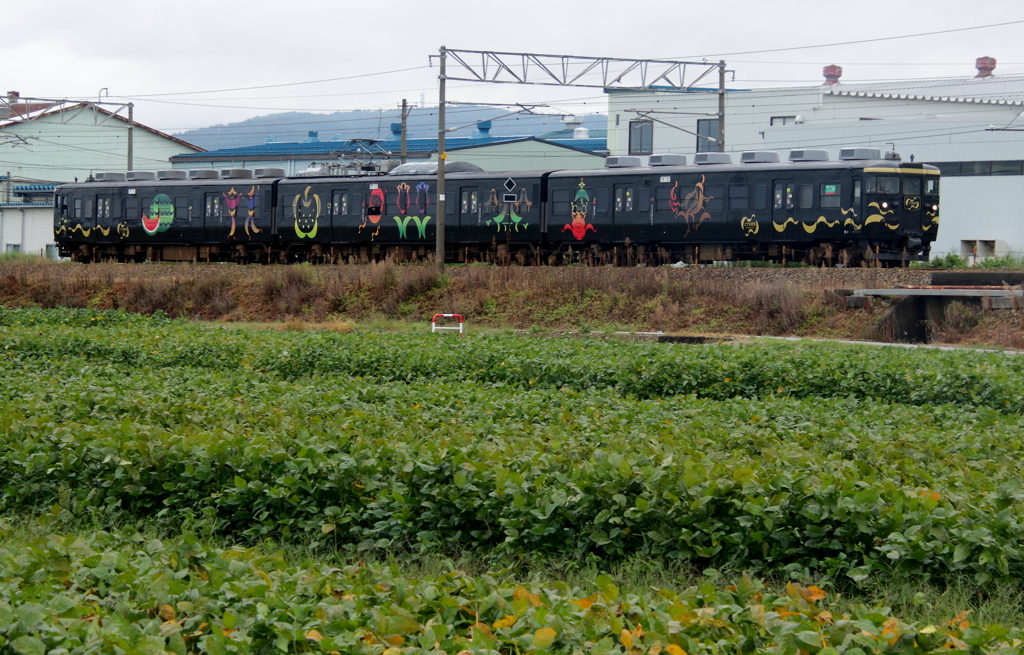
[470, 218]
[213, 217]
[624, 214]
[783, 206]
[912, 205]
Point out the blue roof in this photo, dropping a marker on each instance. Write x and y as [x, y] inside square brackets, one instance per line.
[23, 188]
[324, 148]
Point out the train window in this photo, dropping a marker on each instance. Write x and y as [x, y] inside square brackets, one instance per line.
[114, 208]
[132, 207]
[180, 206]
[472, 202]
[662, 198]
[102, 207]
[780, 198]
[618, 199]
[643, 199]
[339, 203]
[760, 196]
[831, 195]
[806, 196]
[715, 196]
[856, 192]
[889, 184]
[789, 196]
[602, 200]
[78, 208]
[739, 196]
[561, 200]
[629, 199]
[911, 186]
[931, 186]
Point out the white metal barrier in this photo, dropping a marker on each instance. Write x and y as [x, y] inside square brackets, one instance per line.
[434, 327]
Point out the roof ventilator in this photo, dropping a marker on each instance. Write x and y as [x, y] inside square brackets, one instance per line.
[620, 161]
[236, 173]
[808, 155]
[668, 160]
[110, 177]
[175, 174]
[848, 154]
[270, 172]
[203, 174]
[134, 176]
[702, 158]
[759, 157]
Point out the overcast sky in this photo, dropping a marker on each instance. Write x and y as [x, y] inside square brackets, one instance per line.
[73, 49]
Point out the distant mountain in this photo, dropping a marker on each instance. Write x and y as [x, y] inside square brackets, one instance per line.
[296, 125]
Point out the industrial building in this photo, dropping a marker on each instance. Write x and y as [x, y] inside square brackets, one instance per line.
[570, 148]
[43, 143]
[970, 127]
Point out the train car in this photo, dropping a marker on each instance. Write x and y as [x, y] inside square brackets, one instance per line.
[863, 207]
[354, 219]
[170, 215]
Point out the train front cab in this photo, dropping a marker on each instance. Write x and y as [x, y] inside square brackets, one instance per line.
[900, 211]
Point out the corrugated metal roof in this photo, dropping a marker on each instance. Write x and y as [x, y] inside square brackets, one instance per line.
[996, 90]
[24, 188]
[325, 148]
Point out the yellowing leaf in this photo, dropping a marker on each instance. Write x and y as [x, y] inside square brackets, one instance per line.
[481, 627]
[814, 594]
[506, 622]
[396, 640]
[585, 603]
[520, 593]
[824, 617]
[392, 651]
[543, 638]
[166, 612]
[327, 528]
[672, 649]
[314, 635]
[626, 639]
[655, 649]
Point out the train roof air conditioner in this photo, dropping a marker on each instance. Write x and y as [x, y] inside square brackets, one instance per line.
[808, 155]
[236, 173]
[702, 158]
[203, 174]
[141, 175]
[759, 157]
[848, 154]
[110, 177]
[270, 172]
[620, 161]
[668, 160]
[175, 174]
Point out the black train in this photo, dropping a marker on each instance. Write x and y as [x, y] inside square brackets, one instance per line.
[807, 209]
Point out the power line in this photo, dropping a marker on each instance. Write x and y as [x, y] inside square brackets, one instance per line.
[839, 43]
[275, 86]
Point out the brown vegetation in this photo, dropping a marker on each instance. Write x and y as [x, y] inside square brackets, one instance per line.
[707, 300]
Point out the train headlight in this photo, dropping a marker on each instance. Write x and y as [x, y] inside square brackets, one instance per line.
[885, 205]
[935, 208]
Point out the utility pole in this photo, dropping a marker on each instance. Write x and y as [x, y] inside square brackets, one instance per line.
[441, 156]
[721, 105]
[131, 125]
[405, 117]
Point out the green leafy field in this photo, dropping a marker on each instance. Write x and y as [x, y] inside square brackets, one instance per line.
[839, 466]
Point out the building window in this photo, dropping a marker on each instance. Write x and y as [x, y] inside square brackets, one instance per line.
[641, 137]
[707, 128]
[13, 247]
[782, 120]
